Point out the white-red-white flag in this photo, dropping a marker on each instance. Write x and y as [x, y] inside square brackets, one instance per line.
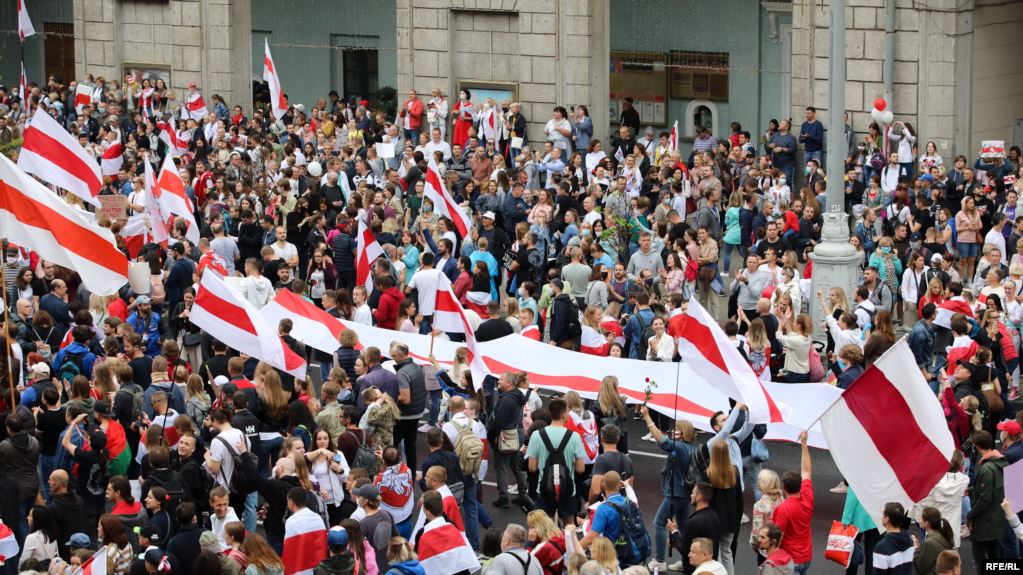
[278, 102]
[9, 548]
[882, 463]
[706, 348]
[443, 203]
[35, 218]
[173, 198]
[443, 549]
[25, 28]
[50, 152]
[96, 565]
[592, 342]
[451, 509]
[950, 307]
[83, 95]
[135, 233]
[22, 85]
[195, 106]
[305, 543]
[367, 252]
[449, 317]
[157, 218]
[312, 325]
[113, 155]
[169, 135]
[489, 122]
[146, 104]
[230, 318]
[673, 138]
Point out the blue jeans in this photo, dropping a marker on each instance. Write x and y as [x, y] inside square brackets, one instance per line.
[470, 513]
[412, 136]
[807, 156]
[750, 471]
[728, 254]
[249, 517]
[435, 396]
[325, 367]
[788, 170]
[671, 507]
[47, 463]
[268, 450]
[405, 527]
[802, 568]
[426, 326]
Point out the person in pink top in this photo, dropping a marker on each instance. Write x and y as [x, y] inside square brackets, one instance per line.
[968, 228]
[793, 515]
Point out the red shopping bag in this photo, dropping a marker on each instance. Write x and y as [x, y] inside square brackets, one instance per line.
[841, 543]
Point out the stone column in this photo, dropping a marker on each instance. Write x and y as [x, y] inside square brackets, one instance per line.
[600, 53]
[834, 259]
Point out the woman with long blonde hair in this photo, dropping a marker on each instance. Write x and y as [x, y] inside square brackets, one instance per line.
[548, 542]
[769, 486]
[602, 550]
[723, 476]
[593, 341]
[610, 409]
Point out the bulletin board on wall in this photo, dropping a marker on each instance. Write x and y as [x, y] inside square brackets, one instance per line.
[644, 77]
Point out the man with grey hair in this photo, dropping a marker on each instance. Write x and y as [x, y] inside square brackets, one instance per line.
[411, 400]
[514, 558]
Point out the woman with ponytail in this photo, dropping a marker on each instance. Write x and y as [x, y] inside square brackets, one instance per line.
[939, 538]
[891, 555]
[157, 501]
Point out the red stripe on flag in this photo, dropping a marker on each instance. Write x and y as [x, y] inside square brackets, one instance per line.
[298, 306]
[87, 244]
[225, 310]
[452, 209]
[876, 403]
[44, 146]
[700, 336]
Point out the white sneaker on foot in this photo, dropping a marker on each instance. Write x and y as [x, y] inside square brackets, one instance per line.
[647, 437]
[425, 427]
[676, 566]
[745, 519]
[839, 489]
[655, 564]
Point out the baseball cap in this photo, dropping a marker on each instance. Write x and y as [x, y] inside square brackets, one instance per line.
[916, 237]
[367, 491]
[103, 408]
[1011, 427]
[41, 369]
[927, 178]
[150, 532]
[208, 540]
[220, 380]
[142, 299]
[488, 215]
[154, 557]
[337, 537]
[79, 541]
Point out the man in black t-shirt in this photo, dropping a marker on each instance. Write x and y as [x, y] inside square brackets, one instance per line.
[772, 239]
[50, 422]
[610, 460]
[494, 327]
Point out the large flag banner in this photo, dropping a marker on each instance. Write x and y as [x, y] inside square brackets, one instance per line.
[169, 135]
[51, 153]
[35, 218]
[673, 138]
[278, 103]
[442, 548]
[444, 204]
[157, 218]
[83, 95]
[882, 462]
[195, 106]
[449, 317]
[368, 251]
[305, 543]
[25, 28]
[949, 308]
[312, 325]
[706, 348]
[113, 156]
[230, 318]
[173, 199]
[96, 565]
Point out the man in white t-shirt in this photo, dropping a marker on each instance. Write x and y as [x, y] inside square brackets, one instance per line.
[222, 514]
[437, 144]
[427, 279]
[219, 460]
[285, 250]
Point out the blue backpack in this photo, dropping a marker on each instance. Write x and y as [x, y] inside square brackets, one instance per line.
[633, 544]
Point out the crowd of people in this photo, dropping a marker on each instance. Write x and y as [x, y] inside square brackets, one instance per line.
[128, 430]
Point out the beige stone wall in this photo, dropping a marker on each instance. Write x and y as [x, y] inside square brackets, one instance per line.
[555, 49]
[997, 80]
[203, 41]
[924, 69]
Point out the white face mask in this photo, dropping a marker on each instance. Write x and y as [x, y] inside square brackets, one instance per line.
[12, 260]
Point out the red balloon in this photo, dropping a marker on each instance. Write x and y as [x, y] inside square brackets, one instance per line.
[880, 104]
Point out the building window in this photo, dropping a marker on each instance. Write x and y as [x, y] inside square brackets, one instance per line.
[361, 73]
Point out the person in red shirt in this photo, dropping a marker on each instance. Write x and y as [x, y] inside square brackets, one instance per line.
[793, 515]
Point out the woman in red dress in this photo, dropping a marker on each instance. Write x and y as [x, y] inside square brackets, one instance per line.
[463, 113]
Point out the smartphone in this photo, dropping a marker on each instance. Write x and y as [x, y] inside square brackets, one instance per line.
[206, 518]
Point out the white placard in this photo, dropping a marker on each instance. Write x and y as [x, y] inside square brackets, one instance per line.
[138, 277]
[385, 150]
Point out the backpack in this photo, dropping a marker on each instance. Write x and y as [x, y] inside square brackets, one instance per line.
[633, 544]
[527, 413]
[696, 471]
[245, 465]
[468, 448]
[557, 479]
[175, 489]
[573, 329]
[870, 313]
[692, 267]
[71, 365]
[646, 332]
[364, 456]
[137, 398]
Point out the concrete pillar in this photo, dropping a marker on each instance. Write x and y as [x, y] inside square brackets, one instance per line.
[241, 53]
[600, 54]
[834, 259]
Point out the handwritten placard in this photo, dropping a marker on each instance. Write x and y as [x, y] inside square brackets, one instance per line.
[113, 207]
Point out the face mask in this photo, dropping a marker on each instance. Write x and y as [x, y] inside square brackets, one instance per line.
[427, 208]
[886, 250]
[781, 181]
[584, 233]
[841, 365]
[462, 96]
[12, 260]
[807, 170]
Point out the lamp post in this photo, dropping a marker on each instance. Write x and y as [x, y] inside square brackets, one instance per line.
[835, 261]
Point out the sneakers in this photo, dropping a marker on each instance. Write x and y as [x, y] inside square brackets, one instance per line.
[501, 502]
[676, 566]
[840, 489]
[964, 531]
[656, 565]
[647, 437]
[745, 519]
[1014, 394]
[425, 427]
[524, 503]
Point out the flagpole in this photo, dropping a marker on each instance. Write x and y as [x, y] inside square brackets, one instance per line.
[7, 331]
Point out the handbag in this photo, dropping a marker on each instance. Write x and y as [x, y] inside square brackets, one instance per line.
[508, 442]
[816, 367]
[841, 543]
[191, 339]
[991, 394]
[758, 451]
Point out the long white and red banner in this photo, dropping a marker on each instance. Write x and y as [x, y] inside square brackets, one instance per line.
[883, 461]
[52, 153]
[35, 218]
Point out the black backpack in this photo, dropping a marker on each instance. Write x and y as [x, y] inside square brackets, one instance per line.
[364, 456]
[557, 478]
[137, 397]
[633, 544]
[696, 470]
[175, 489]
[646, 332]
[245, 465]
[573, 329]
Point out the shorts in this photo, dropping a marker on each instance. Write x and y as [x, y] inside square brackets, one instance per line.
[567, 507]
[968, 250]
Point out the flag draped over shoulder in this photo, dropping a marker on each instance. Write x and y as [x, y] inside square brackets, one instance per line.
[305, 543]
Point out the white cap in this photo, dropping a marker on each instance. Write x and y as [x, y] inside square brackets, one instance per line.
[488, 215]
[41, 369]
